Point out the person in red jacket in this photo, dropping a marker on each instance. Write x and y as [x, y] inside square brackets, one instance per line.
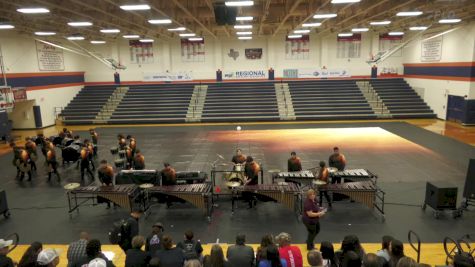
[291, 254]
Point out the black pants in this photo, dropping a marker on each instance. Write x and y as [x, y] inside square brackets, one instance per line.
[327, 197]
[85, 166]
[54, 169]
[312, 232]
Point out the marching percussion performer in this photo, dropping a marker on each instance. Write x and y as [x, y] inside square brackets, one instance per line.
[294, 164]
[252, 170]
[238, 159]
[139, 160]
[324, 175]
[90, 148]
[24, 164]
[122, 143]
[337, 160]
[41, 141]
[52, 163]
[16, 156]
[84, 161]
[30, 147]
[94, 138]
[168, 175]
[105, 172]
[132, 144]
[129, 158]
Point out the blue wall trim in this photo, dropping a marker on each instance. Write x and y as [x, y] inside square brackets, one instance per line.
[44, 80]
[459, 71]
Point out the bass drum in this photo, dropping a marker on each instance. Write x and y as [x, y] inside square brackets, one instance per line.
[67, 142]
[56, 140]
[71, 153]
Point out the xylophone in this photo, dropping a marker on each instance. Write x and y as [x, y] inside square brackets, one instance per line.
[301, 177]
[288, 195]
[198, 195]
[354, 174]
[124, 196]
[365, 192]
[138, 177]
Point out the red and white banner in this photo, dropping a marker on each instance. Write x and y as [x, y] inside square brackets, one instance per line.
[140, 53]
[349, 46]
[297, 48]
[192, 51]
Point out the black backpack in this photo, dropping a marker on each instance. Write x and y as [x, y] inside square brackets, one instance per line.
[119, 232]
[189, 249]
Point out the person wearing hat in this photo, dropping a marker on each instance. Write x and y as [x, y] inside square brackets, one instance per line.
[5, 261]
[153, 242]
[48, 257]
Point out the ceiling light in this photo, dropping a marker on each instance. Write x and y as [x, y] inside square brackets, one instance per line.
[396, 33]
[409, 13]
[418, 28]
[314, 24]
[324, 16]
[244, 18]
[242, 26]
[80, 24]
[243, 33]
[160, 21]
[294, 36]
[146, 40]
[45, 33]
[245, 37]
[98, 42]
[349, 34]
[444, 21]
[75, 38]
[179, 29]
[110, 30]
[360, 30]
[135, 7]
[384, 22]
[33, 10]
[131, 36]
[6, 27]
[301, 31]
[239, 3]
[345, 1]
[187, 34]
[195, 39]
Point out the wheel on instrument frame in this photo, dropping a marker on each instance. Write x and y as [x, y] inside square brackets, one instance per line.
[7, 214]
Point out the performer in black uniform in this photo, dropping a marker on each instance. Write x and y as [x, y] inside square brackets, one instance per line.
[168, 175]
[94, 138]
[132, 144]
[239, 158]
[51, 160]
[90, 148]
[294, 164]
[16, 156]
[139, 160]
[323, 175]
[251, 170]
[30, 147]
[105, 172]
[41, 142]
[84, 161]
[129, 158]
[337, 160]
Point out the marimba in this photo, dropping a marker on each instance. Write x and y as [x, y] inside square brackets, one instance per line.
[198, 195]
[125, 196]
[301, 177]
[365, 192]
[288, 195]
[138, 177]
[354, 174]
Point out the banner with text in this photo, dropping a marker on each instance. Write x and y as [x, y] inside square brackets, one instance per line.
[50, 58]
[431, 49]
[247, 74]
[167, 76]
[316, 73]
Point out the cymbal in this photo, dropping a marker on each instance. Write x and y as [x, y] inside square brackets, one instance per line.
[145, 186]
[71, 186]
[319, 182]
[332, 169]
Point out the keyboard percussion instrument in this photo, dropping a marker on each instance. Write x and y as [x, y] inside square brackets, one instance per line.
[299, 177]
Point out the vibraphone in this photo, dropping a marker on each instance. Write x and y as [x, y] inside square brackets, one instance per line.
[198, 195]
[365, 192]
[288, 195]
[138, 177]
[301, 177]
[125, 196]
[354, 174]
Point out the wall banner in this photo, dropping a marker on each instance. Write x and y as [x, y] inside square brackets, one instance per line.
[247, 74]
[253, 53]
[431, 50]
[140, 53]
[167, 76]
[50, 58]
[316, 73]
[192, 51]
[297, 48]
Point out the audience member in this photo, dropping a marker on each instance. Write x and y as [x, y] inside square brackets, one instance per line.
[396, 251]
[314, 258]
[30, 257]
[351, 259]
[132, 229]
[328, 254]
[191, 248]
[193, 263]
[291, 254]
[5, 261]
[170, 256]
[215, 258]
[463, 259]
[48, 257]
[351, 243]
[266, 241]
[136, 257]
[384, 252]
[372, 260]
[77, 249]
[240, 255]
[93, 251]
[406, 262]
[153, 242]
[273, 258]
[154, 262]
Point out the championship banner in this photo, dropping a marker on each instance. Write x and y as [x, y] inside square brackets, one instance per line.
[349, 46]
[50, 58]
[316, 73]
[297, 48]
[19, 94]
[140, 53]
[249, 74]
[431, 49]
[167, 76]
[253, 53]
[192, 51]
[388, 42]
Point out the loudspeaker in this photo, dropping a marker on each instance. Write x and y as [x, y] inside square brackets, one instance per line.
[37, 114]
[440, 196]
[469, 189]
[220, 14]
[231, 13]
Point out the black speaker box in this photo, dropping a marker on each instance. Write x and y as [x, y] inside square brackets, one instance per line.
[37, 114]
[469, 189]
[220, 14]
[440, 196]
[231, 13]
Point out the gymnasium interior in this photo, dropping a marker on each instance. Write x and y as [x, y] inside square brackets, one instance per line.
[145, 86]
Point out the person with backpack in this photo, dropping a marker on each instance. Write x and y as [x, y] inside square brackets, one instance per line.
[191, 248]
[123, 231]
[154, 240]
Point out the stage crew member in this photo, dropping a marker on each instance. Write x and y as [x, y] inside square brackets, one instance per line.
[310, 217]
[239, 158]
[51, 160]
[106, 177]
[30, 147]
[294, 164]
[324, 175]
[337, 160]
[84, 161]
[139, 160]
[168, 175]
[252, 170]
[94, 138]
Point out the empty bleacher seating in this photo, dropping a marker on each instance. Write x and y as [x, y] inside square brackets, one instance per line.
[154, 104]
[400, 99]
[86, 104]
[329, 100]
[244, 101]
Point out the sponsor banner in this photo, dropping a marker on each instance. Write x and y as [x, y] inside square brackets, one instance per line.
[316, 73]
[246, 74]
[50, 58]
[253, 53]
[167, 76]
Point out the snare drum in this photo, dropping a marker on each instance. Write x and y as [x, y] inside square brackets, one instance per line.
[119, 163]
[114, 150]
[238, 167]
[122, 154]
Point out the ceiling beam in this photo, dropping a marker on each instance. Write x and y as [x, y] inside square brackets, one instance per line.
[313, 12]
[288, 15]
[187, 12]
[209, 4]
[265, 9]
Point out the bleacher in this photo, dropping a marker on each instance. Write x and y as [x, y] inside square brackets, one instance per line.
[154, 104]
[86, 104]
[329, 100]
[401, 99]
[245, 101]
